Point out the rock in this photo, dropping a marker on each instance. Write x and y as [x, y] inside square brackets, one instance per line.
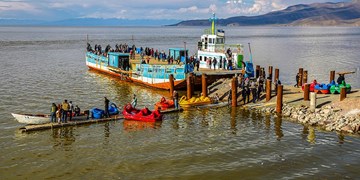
[347, 128]
[326, 111]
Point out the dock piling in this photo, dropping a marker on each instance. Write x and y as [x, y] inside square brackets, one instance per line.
[204, 85]
[277, 71]
[342, 94]
[306, 92]
[268, 90]
[271, 72]
[279, 99]
[305, 78]
[300, 76]
[171, 80]
[332, 76]
[189, 87]
[233, 92]
[312, 101]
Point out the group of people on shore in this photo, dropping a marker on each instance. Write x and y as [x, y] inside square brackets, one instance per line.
[252, 87]
[61, 112]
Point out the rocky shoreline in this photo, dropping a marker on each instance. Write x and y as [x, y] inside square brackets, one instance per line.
[327, 117]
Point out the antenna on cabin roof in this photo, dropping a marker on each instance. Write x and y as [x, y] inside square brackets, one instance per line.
[213, 19]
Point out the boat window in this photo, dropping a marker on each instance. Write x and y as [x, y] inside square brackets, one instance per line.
[200, 58]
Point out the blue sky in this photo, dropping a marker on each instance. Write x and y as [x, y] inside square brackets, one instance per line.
[141, 9]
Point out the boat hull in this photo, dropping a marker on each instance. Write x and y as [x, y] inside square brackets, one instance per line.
[42, 118]
[31, 118]
[178, 84]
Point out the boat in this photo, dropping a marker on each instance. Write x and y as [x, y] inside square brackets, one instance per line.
[184, 102]
[336, 88]
[97, 113]
[32, 118]
[312, 85]
[164, 104]
[144, 114]
[43, 118]
[322, 88]
[212, 46]
[156, 76]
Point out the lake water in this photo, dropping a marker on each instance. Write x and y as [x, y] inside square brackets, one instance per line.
[41, 65]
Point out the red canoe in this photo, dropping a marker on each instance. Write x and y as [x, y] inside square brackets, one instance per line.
[141, 115]
[164, 104]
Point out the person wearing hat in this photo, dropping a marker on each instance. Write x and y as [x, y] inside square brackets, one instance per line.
[134, 101]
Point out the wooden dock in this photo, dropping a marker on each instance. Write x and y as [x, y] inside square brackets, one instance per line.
[47, 126]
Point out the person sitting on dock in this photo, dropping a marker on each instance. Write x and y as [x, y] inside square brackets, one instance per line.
[277, 82]
[340, 79]
[134, 101]
[77, 110]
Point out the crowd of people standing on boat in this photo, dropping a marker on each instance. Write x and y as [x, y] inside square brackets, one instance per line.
[64, 111]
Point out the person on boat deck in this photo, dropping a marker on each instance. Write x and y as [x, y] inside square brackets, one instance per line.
[210, 61]
[214, 63]
[59, 113]
[197, 65]
[176, 99]
[77, 110]
[65, 108]
[106, 103]
[340, 79]
[53, 112]
[134, 101]
[71, 109]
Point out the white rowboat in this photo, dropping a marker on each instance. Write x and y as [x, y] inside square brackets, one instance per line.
[32, 118]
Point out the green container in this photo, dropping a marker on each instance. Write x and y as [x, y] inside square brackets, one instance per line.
[240, 59]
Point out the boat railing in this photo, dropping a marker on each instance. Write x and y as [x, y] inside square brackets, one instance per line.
[222, 48]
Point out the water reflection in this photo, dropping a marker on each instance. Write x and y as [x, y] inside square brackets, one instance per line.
[311, 135]
[278, 129]
[233, 120]
[130, 125]
[63, 138]
[267, 123]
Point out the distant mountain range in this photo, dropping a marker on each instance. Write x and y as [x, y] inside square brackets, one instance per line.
[319, 14]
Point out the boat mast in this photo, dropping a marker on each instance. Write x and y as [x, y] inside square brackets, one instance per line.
[213, 19]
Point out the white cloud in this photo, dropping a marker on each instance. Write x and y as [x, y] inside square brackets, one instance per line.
[16, 6]
[143, 9]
